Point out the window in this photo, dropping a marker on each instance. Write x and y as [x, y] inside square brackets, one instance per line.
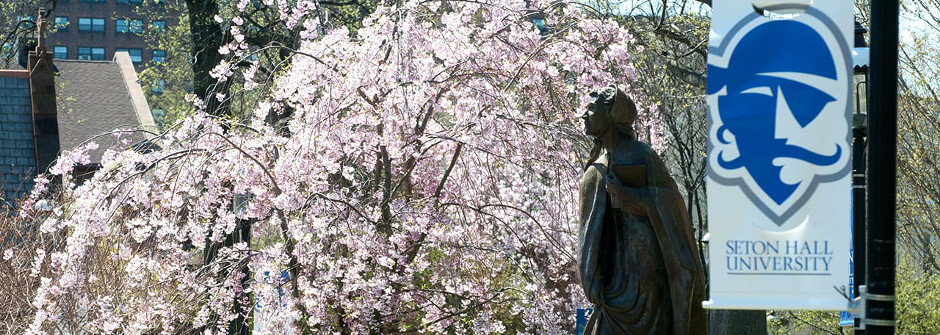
[6, 49]
[91, 24]
[84, 53]
[61, 23]
[137, 26]
[84, 24]
[158, 56]
[158, 86]
[158, 114]
[28, 25]
[158, 26]
[60, 52]
[540, 25]
[129, 26]
[90, 53]
[134, 53]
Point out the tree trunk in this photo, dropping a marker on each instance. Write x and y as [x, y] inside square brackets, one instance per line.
[207, 36]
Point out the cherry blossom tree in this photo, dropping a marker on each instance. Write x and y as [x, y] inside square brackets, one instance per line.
[425, 181]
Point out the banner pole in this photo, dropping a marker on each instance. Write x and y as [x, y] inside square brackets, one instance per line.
[882, 168]
[858, 224]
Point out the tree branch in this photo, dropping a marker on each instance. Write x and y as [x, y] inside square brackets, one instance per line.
[453, 161]
[688, 76]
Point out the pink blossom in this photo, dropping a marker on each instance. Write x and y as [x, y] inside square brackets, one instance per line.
[430, 162]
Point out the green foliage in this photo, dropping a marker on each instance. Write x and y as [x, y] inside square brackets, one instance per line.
[166, 83]
[918, 297]
[351, 14]
[918, 144]
[805, 322]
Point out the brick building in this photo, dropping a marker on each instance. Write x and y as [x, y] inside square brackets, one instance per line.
[96, 29]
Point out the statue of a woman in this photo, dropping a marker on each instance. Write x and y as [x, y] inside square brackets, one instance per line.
[639, 263]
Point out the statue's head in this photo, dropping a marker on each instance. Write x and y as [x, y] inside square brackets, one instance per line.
[610, 110]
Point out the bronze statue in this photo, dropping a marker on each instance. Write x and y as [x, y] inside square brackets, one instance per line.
[639, 263]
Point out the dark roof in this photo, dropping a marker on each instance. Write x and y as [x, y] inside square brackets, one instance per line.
[17, 150]
[97, 97]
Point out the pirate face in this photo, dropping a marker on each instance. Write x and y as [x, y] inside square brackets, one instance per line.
[770, 95]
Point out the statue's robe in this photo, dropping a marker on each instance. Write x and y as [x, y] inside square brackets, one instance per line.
[643, 273]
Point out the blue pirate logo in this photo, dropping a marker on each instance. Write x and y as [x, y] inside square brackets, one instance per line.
[779, 89]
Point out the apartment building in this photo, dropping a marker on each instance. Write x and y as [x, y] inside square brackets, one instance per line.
[96, 29]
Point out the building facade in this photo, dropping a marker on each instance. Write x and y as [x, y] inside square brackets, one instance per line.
[96, 29]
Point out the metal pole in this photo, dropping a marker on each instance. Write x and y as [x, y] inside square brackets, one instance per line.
[882, 168]
[859, 146]
[858, 211]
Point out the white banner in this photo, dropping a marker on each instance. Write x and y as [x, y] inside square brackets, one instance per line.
[779, 154]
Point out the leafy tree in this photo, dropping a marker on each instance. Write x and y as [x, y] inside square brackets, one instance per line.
[812, 322]
[918, 146]
[917, 297]
[166, 83]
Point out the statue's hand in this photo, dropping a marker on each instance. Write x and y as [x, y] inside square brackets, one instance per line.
[633, 200]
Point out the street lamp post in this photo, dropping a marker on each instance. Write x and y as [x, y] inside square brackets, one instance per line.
[882, 169]
[859, 136]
